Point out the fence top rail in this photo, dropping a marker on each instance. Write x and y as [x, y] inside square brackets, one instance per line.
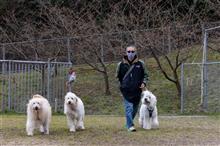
[209, 29]
[36, 62]
[198, 63]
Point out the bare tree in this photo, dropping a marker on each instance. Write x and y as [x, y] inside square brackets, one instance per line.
[173, 66]
[90, 51]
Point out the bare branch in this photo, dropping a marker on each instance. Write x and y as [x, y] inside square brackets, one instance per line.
[160, 66]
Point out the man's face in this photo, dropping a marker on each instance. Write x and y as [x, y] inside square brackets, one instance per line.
[131, 52]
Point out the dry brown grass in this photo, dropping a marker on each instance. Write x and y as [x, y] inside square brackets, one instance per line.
[110, 130]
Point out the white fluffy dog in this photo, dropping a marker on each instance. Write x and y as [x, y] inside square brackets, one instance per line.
[148, 112]
[38, 115]
[74, 110]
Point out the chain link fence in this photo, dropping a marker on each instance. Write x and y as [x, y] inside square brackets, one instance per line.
[200, 81]
[192, 101]
[21, 79]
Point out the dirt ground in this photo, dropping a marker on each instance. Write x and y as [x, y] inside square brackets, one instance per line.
[110, 131]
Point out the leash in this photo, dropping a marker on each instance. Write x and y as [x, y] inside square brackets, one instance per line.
[150, 110]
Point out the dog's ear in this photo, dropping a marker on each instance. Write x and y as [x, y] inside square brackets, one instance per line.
[76, 100]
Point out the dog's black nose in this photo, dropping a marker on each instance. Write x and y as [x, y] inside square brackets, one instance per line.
[69, 102]
[146, 100]
[36, 108]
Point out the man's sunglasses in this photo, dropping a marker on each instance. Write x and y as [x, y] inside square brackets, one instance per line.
[130, 51]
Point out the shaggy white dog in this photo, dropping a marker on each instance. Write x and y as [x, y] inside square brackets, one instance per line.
[148, 112]
[38, 115]
[74, 110]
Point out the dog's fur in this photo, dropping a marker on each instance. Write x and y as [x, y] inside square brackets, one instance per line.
[38, 115]
[148, 112]
[74, 110]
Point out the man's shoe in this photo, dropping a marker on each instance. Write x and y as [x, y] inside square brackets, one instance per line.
[131, 129]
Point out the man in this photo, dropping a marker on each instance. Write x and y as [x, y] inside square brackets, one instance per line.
[132, 76]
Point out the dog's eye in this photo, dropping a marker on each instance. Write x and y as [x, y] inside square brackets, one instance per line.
[72, 98]
[34, 103]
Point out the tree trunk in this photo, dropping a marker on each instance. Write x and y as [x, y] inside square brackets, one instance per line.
[177, 82]
[178, 86]
[107, 89]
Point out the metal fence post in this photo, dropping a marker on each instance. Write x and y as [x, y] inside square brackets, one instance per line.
[48, 79]
[102, 49]
[55, 105]
[169, 40]
[68, 49]
[163, 29]
[182, 89]
[9, 85]
[3, 74]
[203, 32]
[204, 73]
[2, 98]
[3, 52]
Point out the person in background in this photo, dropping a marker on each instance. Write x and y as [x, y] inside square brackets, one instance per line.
[71, 79]
[133, 78]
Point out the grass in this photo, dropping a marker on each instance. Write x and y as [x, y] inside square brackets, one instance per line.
[110, 130]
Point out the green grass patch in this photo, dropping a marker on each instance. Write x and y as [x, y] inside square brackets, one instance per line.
[110, 130]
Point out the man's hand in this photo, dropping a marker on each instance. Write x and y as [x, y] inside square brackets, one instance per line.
[142, 86]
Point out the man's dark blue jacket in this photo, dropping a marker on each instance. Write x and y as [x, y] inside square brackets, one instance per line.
[130, 85]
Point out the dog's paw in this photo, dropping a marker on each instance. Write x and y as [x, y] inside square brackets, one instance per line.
[30, 134]
[147, 127]
[41, 129]
[80, 128]
[72, 130]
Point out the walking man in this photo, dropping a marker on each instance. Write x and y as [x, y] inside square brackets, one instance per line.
[133, 77]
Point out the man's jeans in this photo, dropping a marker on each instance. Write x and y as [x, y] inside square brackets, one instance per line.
[130, 112]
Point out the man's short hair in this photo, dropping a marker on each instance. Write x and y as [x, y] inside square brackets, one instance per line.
[131, 46]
